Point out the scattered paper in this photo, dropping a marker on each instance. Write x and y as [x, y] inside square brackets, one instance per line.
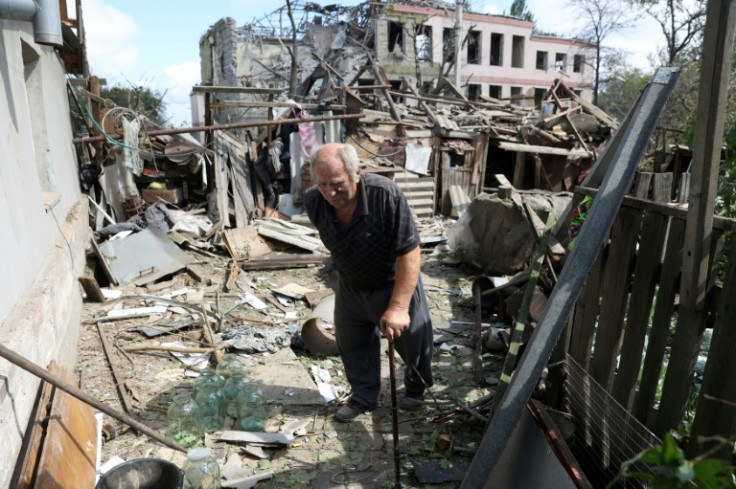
[327, 391]
[193, 360]
[111, 293]
[253, 301]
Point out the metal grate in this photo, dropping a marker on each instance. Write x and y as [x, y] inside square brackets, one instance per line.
[606, 434]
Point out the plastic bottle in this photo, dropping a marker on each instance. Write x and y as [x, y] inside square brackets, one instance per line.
[201, 470]
[211, 402]
[252, 408]
[183, 422]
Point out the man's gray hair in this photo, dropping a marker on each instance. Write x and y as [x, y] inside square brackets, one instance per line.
[347, 154]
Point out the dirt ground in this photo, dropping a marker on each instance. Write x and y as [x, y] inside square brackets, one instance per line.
[438, 440]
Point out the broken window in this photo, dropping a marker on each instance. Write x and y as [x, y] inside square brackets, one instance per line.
[495, 91]
[474, 91]
[395, 36]
[517, 52]
[516, 95]
[474, 47]
[423, 42]
[496, 49]
[448, 43]
[539, 94]
[560, 62]
[577, 63]
[541, 60]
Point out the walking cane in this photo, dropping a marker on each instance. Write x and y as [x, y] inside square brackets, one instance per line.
[394, 413]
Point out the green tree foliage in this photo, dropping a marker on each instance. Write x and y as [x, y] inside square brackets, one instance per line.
[672, 471]
[621, 86]
[519, 10]
[141, 99]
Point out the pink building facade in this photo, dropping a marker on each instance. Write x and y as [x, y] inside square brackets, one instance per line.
[500, 57]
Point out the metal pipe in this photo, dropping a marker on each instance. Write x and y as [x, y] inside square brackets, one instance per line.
[36, 370]
[47, 23]
[17, 9]
[44, 13]
[234, 125]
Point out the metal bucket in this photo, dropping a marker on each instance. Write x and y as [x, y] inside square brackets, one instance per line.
[143, 473]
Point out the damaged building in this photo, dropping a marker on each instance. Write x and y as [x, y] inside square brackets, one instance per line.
[186, 243]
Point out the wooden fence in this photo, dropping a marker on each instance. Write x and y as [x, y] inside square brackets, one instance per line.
[628, 329]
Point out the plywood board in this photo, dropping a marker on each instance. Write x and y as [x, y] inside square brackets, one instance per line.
[284, 380]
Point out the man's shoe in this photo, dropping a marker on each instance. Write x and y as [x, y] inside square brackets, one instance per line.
[349, 412]
[411, 402]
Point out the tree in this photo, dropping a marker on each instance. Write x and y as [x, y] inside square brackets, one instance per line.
[602, 18]
[518, 9]
[621, 86]
[682, 23]
[141, 99]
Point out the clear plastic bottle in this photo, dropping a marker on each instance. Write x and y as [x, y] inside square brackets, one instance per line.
[252, 408]
[183, 422]
[211, 402]
[201, 470]
[207, 376]
[234, 385]
[229, 363]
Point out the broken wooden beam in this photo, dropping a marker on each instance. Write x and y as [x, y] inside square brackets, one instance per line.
[278, 262]
[546, 150]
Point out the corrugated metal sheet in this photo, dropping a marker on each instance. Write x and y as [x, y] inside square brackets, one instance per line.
[419, 192]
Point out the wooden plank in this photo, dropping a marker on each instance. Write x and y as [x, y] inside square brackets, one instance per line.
[284, 261]
[614, 292]
[646, 275]
[660, 330]
[241, 182]
[545, 150]
[221, 180]
[719, 222]
[686, 347]
[92, 289]
[250, 90]
[519, 169]
[643, 182]
[662, 190]
[70, 449]
[714, 81]
[586, 314]
[33, 438]
[716, 410]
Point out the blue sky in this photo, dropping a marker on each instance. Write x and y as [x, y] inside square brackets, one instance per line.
[156, 42]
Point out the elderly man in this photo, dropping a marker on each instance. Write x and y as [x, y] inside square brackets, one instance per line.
[366, 223]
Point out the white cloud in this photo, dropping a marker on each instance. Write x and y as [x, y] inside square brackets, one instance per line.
[177, 83]
[111, 39]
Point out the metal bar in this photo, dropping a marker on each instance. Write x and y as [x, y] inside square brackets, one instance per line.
[630, 143]
[42, 373]
[234, 125]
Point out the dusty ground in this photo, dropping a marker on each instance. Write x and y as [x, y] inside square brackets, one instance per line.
[325, 453]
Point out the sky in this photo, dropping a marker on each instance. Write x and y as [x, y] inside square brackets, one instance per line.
[156, 42]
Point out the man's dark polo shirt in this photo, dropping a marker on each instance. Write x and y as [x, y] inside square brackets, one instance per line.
[381, 229]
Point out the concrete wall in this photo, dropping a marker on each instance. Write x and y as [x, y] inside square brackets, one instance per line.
[43, 218]
[527, 77]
